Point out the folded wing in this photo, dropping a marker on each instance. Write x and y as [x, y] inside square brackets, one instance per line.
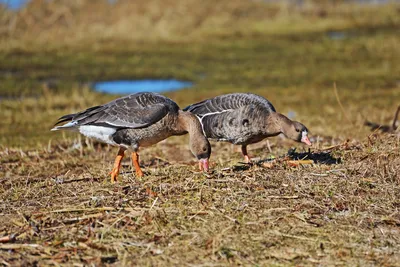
[228, 102]
[133, 111]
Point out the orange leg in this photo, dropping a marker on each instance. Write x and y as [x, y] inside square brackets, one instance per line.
[117, 165]
[135, 161]
[246, 156]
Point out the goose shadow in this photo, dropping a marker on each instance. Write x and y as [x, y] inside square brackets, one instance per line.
[321, 157]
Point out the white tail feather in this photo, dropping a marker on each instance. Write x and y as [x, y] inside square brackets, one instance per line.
[68, 126]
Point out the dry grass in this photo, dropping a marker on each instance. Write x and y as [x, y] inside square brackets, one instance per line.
[32, 117]
[58, 207]
[69, 22]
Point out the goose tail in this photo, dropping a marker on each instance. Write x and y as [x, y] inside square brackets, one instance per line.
[65, 118]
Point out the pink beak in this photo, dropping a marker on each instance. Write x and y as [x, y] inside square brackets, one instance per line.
[305, 140]
[203, 165]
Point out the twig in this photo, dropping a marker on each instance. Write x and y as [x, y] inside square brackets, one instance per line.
[18, 246]
[223, 180]
[5, 263]
[336, 170]
[196, 214]
[269, 147]
[7, 238]
[76, 180]
[295, 163]
[89, 210]
[335, 146]
[134, 244]
[340, 103]
[299, 217]
[76, 219]
[230, 218]
[319, 174]
[283, 197]
[275, 209]
[226, 216]
[79, 210]
[394, 126]
[154, 203]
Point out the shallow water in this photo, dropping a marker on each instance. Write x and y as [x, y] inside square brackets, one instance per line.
[14, 4]
[337, 35]
[134, 86]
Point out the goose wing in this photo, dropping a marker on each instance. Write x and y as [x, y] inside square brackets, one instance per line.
[228, 102]
[133, 111]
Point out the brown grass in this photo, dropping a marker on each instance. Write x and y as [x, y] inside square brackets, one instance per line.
[69, 22]
[59, 208]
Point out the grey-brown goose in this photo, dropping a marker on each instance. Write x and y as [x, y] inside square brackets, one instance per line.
[243, 119]
[138, 120]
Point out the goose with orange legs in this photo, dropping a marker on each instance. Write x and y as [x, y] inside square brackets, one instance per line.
[138, 120]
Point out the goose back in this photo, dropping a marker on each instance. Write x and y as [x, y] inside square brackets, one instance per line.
[236, 118]
[244, 125]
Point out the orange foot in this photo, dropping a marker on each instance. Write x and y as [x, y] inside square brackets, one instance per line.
[114, 174]
[135, 161]
[117, 165]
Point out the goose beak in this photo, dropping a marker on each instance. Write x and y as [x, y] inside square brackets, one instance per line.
[305, 140]
[203, 165]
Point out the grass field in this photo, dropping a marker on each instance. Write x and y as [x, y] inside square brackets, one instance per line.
[57, 206]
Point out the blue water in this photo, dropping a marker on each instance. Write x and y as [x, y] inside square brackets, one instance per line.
[13, 4]
[337, 35]
[17, 4]
[134, 86]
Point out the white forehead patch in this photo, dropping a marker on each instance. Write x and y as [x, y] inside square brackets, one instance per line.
[304, 134]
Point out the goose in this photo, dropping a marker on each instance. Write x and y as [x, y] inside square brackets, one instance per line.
[243, 119]
[138, 120]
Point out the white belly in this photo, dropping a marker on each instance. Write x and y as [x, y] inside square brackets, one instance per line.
[103, 134]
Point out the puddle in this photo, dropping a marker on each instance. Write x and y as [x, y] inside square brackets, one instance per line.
[337, 35]
[134, 86]
[14, 4]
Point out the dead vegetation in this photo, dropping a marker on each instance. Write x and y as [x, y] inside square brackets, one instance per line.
[67, 22]
[335, 204]
[59, 209]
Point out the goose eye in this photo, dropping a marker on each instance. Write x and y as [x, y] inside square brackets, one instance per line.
[297, 130]
[204, 149]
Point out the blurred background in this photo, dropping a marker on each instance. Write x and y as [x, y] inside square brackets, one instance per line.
[62, 56]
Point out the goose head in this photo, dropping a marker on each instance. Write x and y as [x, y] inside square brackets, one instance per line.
[198, 143]
[201, 149]
[297, 132]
